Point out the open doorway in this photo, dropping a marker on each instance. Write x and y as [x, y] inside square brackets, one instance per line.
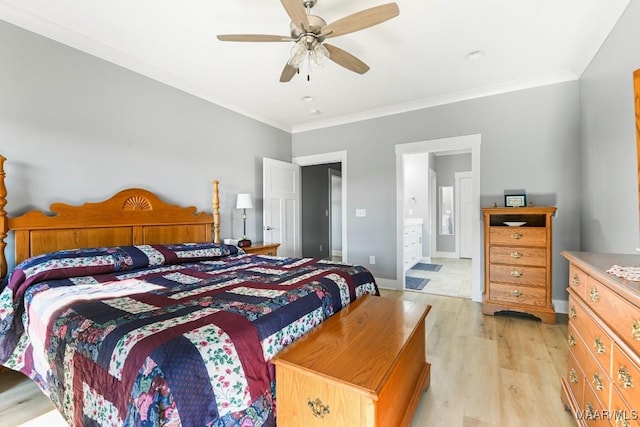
[336, 217]
[445, 247]
[321, 207]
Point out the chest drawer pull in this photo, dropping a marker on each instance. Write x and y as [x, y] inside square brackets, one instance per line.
[621, 420]
[516, 293]
[635, 330]
[516, 255]
[597, 382]
[576, 280]
[572, 340]
[573, 376]
[594, 295]
[590, 412]
[516, 273]
[516, 236]
[572, 313]
[624, 378]
[598, 346]
[318, 409]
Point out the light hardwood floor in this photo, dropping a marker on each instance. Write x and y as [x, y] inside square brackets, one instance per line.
[486, 371]
[454, 279]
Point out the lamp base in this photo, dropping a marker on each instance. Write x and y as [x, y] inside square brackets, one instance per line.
[244, 243]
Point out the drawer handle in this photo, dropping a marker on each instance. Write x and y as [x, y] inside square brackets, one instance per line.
[594, 295]
[516, 293]
[572, 340]
[576, 280]
[573, 376]
[516, 236]
[621, 420]
[597, 382]
[590, 412]
[624, 378]
[318, 409]
[572, 313]
[516, 255]
[598, 345]
[635, 330]
[516, 273]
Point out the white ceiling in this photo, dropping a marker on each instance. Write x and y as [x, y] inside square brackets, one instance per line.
[417, 59]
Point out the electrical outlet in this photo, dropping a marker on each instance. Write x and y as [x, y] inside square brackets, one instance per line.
[320, 248]
[372, 259]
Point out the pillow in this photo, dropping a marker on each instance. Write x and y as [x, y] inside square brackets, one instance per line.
[94, 261]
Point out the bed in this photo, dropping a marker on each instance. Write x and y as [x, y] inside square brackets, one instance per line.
[130, 312]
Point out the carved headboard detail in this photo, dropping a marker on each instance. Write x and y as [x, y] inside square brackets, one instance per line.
[131, 217]
[137, 203]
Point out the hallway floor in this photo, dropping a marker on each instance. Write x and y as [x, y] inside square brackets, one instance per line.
[453, 279]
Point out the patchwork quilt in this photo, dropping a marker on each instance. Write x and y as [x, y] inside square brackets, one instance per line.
[165, 334]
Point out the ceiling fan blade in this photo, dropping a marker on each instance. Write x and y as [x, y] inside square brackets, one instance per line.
[253, 38]
[361, 20]
[288, 72]
[346, 59]
[297, 13]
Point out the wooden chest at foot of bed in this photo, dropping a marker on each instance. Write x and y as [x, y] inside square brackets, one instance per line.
[365, 366]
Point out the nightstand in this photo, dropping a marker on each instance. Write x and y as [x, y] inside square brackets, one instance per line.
[266, 249]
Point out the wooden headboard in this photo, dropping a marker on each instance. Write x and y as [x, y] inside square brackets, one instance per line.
[131, 217]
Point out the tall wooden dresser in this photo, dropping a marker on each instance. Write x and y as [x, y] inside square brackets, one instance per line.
[602, 382]
[517, 261]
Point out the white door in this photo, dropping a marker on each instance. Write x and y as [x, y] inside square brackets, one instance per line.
[281, 214]
[464, 214]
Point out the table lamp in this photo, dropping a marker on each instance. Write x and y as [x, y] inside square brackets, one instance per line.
[244, 202]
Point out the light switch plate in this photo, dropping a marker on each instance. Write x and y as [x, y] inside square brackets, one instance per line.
[361, 212]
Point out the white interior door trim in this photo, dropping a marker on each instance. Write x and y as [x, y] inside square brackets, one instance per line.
[332, 157]
[465, 142]
[458, 208]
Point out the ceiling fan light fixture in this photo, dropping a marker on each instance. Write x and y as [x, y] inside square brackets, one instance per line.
[318, 55]
[298, 53]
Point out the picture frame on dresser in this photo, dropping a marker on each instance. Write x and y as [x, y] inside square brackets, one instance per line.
[515, 200]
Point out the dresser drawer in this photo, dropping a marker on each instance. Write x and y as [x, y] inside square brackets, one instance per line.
[518, 236]
[515, 255]
[626, 376]
[527, 295]
[577, 280]
[620, 315]
[622, 413]
[593, 413]
[575, 378]
[599, 343]
[535, 276]
[595, 376]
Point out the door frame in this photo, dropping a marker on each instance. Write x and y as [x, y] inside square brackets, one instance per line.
[338, 174]
[464, 142]
[458, 207]
[332, 157]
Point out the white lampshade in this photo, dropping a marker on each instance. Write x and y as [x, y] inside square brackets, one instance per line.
[244, 201]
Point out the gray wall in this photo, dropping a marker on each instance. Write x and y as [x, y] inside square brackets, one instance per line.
[530, 139]
[608, 153]
[446, 168]
[74, 128]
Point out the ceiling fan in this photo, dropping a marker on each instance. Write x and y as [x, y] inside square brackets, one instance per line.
[310, 31]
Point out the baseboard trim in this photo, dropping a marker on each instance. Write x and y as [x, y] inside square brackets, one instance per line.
[447, 255]
[560, 306]
[390, 284]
